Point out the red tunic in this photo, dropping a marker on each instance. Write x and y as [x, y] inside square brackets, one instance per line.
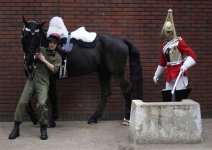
[173, 71]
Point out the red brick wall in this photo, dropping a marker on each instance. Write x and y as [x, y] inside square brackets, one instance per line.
[139, 21]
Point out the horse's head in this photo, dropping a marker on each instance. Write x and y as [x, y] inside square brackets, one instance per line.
[31, 40]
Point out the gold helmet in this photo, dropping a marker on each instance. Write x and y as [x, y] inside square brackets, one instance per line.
[169, 24]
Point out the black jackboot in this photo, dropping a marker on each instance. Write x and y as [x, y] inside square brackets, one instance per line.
[15, 132]
[43, 132]
[167, 95]
[182, 94]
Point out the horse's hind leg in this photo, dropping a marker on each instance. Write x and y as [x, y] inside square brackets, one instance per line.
[53, 100]
[126, 89]
[104, 78]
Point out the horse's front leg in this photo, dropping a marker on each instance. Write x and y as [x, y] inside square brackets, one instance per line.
[31, 113]
[53, 101]
[104, 79]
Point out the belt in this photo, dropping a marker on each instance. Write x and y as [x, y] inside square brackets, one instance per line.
[174, 63]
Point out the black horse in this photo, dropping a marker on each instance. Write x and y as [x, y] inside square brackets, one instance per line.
[108, 58]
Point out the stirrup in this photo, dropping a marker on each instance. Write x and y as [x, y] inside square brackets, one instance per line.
[63, 71]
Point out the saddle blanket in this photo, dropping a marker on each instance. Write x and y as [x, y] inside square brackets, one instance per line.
[82, 34]
[80, 37]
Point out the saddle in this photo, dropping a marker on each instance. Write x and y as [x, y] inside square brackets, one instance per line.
[83, 35]
[82, 38]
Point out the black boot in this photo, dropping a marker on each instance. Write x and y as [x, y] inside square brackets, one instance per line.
[182, 94]
[15, 132]
[43, 132]
[167, 95]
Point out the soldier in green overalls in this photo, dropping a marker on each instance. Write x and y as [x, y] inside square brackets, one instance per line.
[49, 61]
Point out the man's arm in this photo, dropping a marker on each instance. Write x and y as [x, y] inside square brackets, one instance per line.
[43, 59]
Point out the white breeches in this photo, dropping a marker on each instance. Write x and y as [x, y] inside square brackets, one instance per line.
[182, 83]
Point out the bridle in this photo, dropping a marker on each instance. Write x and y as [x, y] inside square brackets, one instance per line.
[31, 41]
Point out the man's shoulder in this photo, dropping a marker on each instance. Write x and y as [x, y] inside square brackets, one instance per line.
[41, 48]
[57, 54]
[180, 39]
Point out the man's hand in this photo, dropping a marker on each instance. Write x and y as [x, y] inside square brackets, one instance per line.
[43, 59]
[159, 71]
[40, 57]
[183, 68]
[155, 79]
[187, 64]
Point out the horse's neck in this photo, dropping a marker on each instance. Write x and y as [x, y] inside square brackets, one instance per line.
[44, 41]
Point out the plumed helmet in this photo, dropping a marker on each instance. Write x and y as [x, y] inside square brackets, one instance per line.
[169, 24]
[54, 37]
[56, 25]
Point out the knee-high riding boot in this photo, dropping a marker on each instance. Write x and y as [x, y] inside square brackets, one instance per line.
[167, 95]
[182, 94]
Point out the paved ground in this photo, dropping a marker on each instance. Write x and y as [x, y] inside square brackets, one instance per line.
[78, 135]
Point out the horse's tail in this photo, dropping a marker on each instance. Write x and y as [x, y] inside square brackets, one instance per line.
[135, 71]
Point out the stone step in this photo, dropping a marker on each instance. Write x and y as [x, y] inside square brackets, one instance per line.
[165, 122]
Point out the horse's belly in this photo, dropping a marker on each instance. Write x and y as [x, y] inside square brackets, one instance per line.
[83, 67]
[76, 71]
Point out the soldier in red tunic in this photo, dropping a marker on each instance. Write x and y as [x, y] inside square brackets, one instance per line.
[175, 56]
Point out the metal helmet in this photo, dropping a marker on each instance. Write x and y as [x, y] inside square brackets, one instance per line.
[169, 24]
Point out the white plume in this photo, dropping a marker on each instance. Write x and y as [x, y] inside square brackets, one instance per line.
[56, 25]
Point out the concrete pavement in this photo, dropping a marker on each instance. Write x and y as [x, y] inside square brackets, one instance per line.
[78, 135]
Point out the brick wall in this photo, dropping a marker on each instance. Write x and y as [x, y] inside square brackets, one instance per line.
[139, 21]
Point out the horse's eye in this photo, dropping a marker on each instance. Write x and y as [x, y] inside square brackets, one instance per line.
[37, 30]
[27, 29]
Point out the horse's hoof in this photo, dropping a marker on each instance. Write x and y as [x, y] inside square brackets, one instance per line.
[125, 122]
[92, 120]
[51, 124]
[35, 122]
[34, 119]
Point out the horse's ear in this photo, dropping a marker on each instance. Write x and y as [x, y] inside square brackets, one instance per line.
[24, 20]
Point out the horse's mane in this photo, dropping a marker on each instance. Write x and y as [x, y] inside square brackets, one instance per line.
[44, 41]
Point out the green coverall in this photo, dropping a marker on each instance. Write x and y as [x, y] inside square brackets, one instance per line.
[38, 87]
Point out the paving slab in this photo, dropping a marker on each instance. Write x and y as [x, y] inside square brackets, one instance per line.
[78, 135]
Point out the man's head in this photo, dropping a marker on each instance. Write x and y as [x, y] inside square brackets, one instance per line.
[53, 40]
[168, 31]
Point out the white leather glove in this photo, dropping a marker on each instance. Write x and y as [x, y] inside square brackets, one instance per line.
[159, 71]
[187, 64]
[155, 79]
[183, 69]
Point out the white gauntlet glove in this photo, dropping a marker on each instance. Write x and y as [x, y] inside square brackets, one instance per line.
[155, 79]
[159, 71]
[183, 68]
[187, 64]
